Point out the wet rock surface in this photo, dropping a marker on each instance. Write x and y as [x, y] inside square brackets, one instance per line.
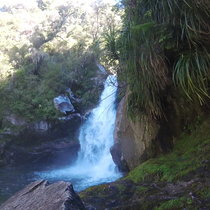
[39, 143]
[60, 152]
[42, 195]
[192, 192]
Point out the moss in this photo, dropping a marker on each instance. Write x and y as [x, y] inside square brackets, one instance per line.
[121, 188]
[204, 193]
[141, 189]
[178, 204]
[172, 204]
[93, 191]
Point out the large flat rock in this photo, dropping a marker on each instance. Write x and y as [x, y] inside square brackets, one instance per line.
[40, 195]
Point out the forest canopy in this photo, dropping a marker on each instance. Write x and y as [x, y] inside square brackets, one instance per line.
[155, 48]
[46, 48]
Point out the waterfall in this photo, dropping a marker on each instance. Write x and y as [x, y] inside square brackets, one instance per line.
[96, 135]
[94, 164]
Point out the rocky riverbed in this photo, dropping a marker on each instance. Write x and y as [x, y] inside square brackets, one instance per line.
[192, 192]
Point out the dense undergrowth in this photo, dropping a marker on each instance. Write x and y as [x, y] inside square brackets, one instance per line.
[162, 43]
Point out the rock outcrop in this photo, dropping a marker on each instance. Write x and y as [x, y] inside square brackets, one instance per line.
[15, 120]
[67, 127]
[44, 196]
[59, 152]
[134, 142]
[42, 143]
[126, 195]
[63, 104]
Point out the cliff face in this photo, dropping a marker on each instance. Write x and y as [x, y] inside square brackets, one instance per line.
[134, 142]
[42, 143]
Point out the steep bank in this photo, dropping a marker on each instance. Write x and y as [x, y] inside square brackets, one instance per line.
[134, 142]
[178, 180]
[146, 137]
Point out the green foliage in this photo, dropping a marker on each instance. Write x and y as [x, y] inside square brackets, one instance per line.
[205, 192]
[46, 49]
[110, 44]
[25, 98]
[192, 72]
[173, 204]
[162, 42]
[53, 78]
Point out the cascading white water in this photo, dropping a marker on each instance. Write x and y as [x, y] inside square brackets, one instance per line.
[94, 164]
[96, 135]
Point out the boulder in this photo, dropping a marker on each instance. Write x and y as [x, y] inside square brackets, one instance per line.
[63, 104]
[43, 196]
[15, 120]
[101, 68]
[117, 156]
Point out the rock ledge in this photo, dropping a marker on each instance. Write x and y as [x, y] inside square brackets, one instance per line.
[42, 195]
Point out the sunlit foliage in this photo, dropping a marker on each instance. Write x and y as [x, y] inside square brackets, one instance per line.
[46, 48]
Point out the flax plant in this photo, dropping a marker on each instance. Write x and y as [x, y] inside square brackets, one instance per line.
[164, 42]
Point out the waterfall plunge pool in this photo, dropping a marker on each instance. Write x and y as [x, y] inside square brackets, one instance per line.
[94, 164]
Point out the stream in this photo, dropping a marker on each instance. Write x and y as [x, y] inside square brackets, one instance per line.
[94, 164]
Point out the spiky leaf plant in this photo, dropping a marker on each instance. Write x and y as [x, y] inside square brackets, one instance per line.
[164, 42]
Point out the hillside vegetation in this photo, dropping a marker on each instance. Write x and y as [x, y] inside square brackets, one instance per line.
[46, 48]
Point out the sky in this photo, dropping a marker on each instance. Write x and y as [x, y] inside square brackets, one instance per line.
[2, 2]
